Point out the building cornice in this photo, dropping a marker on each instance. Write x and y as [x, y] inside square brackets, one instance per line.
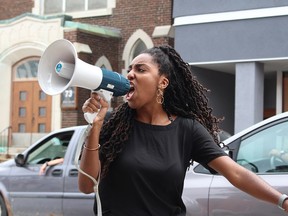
[93, 29]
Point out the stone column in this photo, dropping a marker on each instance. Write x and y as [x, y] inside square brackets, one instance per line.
[249, 94]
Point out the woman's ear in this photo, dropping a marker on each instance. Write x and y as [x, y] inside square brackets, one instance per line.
[164, 82]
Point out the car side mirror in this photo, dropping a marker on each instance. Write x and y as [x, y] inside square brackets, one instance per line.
[226, 149]
[20, 160]
[229, 152]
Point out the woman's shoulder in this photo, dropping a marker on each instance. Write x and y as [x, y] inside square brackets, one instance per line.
[192, 125]
[185, 121]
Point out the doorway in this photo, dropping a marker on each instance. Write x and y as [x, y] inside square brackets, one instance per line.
[31, 107]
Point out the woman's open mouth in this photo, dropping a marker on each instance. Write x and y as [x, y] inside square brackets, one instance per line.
[130, 93]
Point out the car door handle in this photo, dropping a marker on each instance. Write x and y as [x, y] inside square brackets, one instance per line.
[73, 172]
[57, 172]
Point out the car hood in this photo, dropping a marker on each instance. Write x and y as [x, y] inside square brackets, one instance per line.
[7, 163]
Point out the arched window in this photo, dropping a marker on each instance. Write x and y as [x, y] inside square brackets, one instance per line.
[138, 48]
[138, 42]
[103, 62]
[26, 70]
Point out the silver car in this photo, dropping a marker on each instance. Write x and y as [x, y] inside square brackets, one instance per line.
[24, 192]
[207, 194]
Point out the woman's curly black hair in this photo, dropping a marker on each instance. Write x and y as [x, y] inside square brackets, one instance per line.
[184, 96]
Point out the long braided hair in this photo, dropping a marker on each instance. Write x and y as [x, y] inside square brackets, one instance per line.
[184, 96]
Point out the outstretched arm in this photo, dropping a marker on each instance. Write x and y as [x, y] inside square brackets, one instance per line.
[246, 180]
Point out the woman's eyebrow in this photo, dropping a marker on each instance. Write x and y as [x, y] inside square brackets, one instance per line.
[137, 65]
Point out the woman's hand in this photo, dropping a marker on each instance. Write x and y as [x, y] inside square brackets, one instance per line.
[96, 104]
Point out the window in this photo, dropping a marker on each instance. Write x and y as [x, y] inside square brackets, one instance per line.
[53, 6]
[22, 95]
[42, 95]
[75, 8]
[255, 151]
[27, 70]
[74, 5]
[41, 128]
[22, 112]
[138, 48]
[21, 128]
[42, 111]
[137, 42]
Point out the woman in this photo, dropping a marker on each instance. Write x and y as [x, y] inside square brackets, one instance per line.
[150, 141]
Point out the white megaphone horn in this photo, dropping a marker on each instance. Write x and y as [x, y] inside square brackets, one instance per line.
[60, 68]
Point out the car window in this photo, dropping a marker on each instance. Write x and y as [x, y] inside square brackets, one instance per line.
[51, 148]
[201, 169]
[255, 150]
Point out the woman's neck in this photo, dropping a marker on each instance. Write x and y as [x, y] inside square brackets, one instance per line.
[154, 118]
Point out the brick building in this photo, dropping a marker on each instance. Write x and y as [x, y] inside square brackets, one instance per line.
[105, 33]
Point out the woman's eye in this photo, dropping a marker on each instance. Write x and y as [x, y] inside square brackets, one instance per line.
[141, 70]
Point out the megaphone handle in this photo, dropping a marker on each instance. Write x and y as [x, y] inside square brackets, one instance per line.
[89, 117]
[106, 95]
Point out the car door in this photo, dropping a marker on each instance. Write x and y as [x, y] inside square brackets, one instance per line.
[196, 191]
[35, 194]
[253, 152]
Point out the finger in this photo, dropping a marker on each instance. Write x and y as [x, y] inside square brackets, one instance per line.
[85, 107]
[91, 105]
[101, 114]
[90, 110]
[103, 102]
[102, 111]
[95, 102]
[95, 95]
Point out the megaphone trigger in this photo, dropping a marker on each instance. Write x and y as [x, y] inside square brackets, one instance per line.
[106, 95]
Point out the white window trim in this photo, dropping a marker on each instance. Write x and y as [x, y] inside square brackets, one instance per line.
[91, 13]
[127, 52]
[104, 61]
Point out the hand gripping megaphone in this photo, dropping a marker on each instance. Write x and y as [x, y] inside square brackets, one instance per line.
[59, 68]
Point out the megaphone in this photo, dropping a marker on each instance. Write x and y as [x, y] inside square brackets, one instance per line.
[60, 68]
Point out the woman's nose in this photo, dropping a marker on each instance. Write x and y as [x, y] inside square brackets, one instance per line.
[130, 75]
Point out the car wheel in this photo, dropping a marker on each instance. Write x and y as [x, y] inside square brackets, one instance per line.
[3, 209]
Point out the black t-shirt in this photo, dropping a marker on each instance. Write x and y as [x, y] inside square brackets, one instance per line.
[148, 176]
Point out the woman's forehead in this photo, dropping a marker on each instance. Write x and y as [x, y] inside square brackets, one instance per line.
[143, 58]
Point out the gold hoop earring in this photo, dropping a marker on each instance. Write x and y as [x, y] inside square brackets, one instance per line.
[160, 97]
